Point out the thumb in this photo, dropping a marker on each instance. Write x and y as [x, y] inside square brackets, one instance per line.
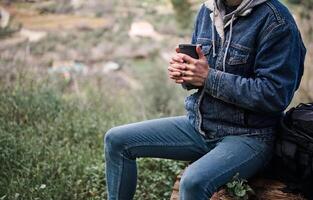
[199, 51]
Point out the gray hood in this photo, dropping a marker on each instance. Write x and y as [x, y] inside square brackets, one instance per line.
[242, 10]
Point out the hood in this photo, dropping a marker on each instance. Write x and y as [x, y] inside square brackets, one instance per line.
[244, 9]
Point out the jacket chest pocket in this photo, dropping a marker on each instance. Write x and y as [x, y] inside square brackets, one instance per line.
[206, 46]
[237, 61]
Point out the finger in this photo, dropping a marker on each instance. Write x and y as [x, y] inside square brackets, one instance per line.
[175, 74]
[179, 81]
[187, 78]
[176, 78]
[178, 66]
[177, 58]
[199, 51]
[172, 61]
[187, 58]
[189, 73]
[190, 67]
[172, 69]
[177, 50]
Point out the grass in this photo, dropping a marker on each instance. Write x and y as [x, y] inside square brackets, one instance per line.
[46, 141]
[51, 139]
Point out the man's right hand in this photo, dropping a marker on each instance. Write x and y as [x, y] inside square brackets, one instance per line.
[174, 70]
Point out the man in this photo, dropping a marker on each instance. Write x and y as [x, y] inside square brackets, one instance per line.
[250, 64]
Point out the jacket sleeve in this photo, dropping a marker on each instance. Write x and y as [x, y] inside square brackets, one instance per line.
[278, 69]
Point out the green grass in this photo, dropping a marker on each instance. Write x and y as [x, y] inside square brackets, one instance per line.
[47, 141]
[51, 140]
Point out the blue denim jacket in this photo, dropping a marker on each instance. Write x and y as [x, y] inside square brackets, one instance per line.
[264, 66]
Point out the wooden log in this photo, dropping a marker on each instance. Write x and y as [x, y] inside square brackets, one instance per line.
[265, 189]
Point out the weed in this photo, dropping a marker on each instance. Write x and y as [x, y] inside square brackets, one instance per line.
[239, 188]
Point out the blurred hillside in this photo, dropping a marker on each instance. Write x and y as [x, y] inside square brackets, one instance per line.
[72, 69]
[303, 12]
[96, 37]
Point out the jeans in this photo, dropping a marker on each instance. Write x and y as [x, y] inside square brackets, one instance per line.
[215, 162]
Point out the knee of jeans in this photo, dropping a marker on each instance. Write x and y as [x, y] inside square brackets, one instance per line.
[190, 184]
[195, 184]
[113, 140]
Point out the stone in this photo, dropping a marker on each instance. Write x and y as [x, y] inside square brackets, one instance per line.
[265, 189]
[33, 36]
[143, 29]
[110, 66]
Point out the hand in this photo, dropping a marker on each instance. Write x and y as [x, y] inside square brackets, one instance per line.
[173, 70]
[185, 69]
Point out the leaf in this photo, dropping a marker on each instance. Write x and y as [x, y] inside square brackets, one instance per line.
[240, 192]
[231, 184]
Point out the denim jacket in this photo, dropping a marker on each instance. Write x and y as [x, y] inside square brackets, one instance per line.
[263, 69]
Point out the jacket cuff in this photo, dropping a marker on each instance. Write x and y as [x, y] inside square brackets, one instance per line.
[212, 82]
[188, 86]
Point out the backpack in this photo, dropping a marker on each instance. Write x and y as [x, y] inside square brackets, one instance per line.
[293, 156]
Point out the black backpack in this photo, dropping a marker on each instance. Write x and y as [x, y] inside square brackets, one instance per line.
[293, 157]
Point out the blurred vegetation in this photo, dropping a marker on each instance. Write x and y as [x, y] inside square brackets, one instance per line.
[303, 11]
[183, 13]
[308, 4]
[51, 141]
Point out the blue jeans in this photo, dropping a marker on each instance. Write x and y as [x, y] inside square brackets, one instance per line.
[215, 162]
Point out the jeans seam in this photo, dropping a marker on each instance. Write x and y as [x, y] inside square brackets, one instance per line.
[250, 158]
[157, 144]
[120, 176]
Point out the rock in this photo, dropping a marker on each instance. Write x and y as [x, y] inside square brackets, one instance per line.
[265, 189]
[110, 66]
[143, 29]
[33, 36]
